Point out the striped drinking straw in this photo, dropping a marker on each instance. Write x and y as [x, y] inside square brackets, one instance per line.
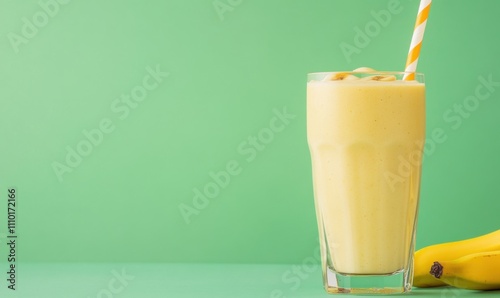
[416, 40]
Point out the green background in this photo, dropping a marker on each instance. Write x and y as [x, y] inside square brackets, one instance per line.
[228, 74]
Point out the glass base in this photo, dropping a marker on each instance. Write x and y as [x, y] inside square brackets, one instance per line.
[394, 283]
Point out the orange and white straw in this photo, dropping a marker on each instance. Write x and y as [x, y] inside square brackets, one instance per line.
[416, 40]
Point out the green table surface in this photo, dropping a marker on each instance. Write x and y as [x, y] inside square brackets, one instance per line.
[181, 280]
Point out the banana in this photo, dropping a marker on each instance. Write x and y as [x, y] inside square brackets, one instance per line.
[340, 76]
[364, 69]
[425, 257]
[380, 78]
[479, 271]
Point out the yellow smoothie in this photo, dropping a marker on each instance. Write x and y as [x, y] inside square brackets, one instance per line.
[362, 136]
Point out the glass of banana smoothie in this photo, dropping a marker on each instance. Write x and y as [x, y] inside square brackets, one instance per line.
[366, 131]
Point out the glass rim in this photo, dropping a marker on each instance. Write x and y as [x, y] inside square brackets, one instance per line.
[386, 72]
[407, 76]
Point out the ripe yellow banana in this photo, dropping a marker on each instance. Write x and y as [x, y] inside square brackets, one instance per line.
[425, 257]
[479, 271]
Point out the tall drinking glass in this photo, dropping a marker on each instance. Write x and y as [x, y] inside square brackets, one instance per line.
[366, 133]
